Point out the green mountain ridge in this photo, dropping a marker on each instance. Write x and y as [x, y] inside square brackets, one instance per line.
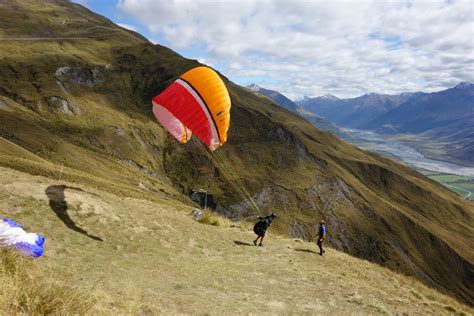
[83, 103]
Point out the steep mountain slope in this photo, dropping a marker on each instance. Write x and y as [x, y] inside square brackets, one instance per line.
[276, 96]
[457, 137]
[75, 104]
[354, 112]
[155, 259]
[322, 123]
[452, 142]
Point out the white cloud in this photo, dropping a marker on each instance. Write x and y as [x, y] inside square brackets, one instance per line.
[82, 2]
[205, 61]
[316, 47]
[128, 26]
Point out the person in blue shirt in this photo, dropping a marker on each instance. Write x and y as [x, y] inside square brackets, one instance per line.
[321, 236]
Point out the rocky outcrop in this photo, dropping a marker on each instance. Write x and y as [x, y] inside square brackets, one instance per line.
[141, 168]
[119, 131]
[60, 105]
[79, 75]
[3, 105]
[300, 230]
[333, 193]
[302, 153]
[327, 199]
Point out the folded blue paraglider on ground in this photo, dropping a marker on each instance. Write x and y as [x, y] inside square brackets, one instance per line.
[12, 235]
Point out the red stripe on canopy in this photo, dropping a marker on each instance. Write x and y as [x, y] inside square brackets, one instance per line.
[182, 104]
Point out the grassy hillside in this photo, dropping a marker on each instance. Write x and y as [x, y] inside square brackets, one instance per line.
[75, 93]
[154, 258]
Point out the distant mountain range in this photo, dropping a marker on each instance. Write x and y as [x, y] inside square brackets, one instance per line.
[354, 112]
[281, 100]
[446, 117]
[406, 112]
[424, 111]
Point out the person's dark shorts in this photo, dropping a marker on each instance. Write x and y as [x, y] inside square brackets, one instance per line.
[260, 233]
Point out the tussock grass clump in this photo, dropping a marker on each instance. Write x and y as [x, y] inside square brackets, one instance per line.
[210, 219]
[24, 290]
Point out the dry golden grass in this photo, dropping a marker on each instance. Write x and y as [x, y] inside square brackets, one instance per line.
[24, 290]
[210, 219]
[156, 259]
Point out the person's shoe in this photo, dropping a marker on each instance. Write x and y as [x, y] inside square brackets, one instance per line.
[255, 242]
[320, 253]
[260, 245]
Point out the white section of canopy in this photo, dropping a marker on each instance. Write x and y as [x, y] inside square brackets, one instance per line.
[171, 123]
[9, 236]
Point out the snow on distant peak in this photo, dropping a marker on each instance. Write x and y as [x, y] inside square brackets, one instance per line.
[254, 87]
[463, 85]
[329, 97]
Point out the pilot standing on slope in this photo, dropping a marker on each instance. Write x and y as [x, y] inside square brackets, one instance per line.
[261, 227]
[321, 236]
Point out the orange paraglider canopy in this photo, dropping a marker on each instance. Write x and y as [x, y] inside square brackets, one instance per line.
[196, 103]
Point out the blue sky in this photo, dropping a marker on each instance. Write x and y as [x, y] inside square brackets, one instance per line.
[299, 48]
[109, 9]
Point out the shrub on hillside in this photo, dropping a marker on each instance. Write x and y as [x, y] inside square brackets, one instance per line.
[210, 219]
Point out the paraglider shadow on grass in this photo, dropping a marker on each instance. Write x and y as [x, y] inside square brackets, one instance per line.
[306, 250]
[241, 243]
[58, 204]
